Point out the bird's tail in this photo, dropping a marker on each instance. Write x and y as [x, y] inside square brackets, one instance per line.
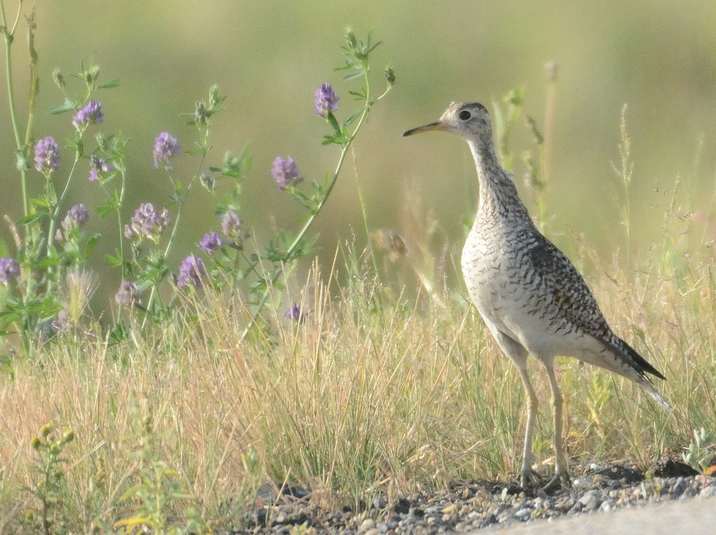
[646, 385]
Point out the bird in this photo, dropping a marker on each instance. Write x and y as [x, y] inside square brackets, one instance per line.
[530, 296]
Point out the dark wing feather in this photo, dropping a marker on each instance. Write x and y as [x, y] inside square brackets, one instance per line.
[575, 302]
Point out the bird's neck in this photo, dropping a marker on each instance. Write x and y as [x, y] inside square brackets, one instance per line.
[498, 195]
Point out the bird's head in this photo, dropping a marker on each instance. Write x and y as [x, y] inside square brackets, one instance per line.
[467, 119]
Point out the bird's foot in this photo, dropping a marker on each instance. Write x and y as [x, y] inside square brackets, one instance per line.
[529, 478]
[561, 480]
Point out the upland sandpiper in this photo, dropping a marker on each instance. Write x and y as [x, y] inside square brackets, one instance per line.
[531, 298]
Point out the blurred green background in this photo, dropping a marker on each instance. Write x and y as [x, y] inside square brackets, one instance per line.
[659, 56]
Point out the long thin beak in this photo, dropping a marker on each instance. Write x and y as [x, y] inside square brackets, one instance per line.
[437, 125]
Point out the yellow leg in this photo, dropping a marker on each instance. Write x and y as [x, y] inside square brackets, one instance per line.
[561, 476]
[527, 475]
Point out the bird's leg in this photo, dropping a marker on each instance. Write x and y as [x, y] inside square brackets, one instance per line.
[561, 476]
[528, 476]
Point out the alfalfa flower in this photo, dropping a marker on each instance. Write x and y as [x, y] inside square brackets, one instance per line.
[90, 113]
[210, 242]
[9, 269]
[98, 168]
[166, 146]
[192, 271]
[147, 223]
[294, 313]
[76, 216]
[325, 100]
[126, 294]
[47, 155]
[231, 224]
[285, 172]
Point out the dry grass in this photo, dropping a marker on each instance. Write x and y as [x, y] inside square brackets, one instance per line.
[369, 393]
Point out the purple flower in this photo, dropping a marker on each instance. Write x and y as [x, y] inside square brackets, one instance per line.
[285, 172]
[90, 113]
[98, 168]
[76, 216]
[9, 269]
[325, 100]
[47, 155]
[294, 312]
[231, 224]
[126, 293]
[191, 271]
[210, 242]
[166, 146]
[147, 223]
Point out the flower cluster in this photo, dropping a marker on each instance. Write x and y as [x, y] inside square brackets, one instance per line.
[76, 216]
[166, 147]
[191, 272]
[90, 113]
[285, 172]
[126, 294]
[9, 269]
[98, 168]
[210, 242]
[231, 225]
[325, 100]
[47, 155]
[147, 223]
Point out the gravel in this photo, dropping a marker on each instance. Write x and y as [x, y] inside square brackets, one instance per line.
[467, 506]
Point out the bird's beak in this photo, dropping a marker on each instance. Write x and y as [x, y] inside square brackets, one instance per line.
[437, 125]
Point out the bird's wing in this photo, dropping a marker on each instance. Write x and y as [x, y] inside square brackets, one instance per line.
[572, 300]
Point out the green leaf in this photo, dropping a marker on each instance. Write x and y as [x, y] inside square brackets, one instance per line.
[107, 207]
[48, 261]
[109, 84]
[31, 218]
[67, 105]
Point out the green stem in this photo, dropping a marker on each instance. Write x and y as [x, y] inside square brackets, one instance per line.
[9, 37]
[118, 210]
[58, 205]
[309, 222]
[180, 204]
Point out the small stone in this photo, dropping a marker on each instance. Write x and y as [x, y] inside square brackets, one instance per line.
[679, 487]
[504, 516]
[606, 506]
[576, 508]
[366, 525]
[402, 506]
[591, 499]
[489, 520]
[450, 509]
[565, 503]
[372, 532]
[708, 492]
[585, 483]
[523, 514]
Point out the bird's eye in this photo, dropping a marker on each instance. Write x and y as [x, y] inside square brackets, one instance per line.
[464, 115]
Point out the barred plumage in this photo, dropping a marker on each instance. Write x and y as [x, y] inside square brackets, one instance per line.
[529, 294]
